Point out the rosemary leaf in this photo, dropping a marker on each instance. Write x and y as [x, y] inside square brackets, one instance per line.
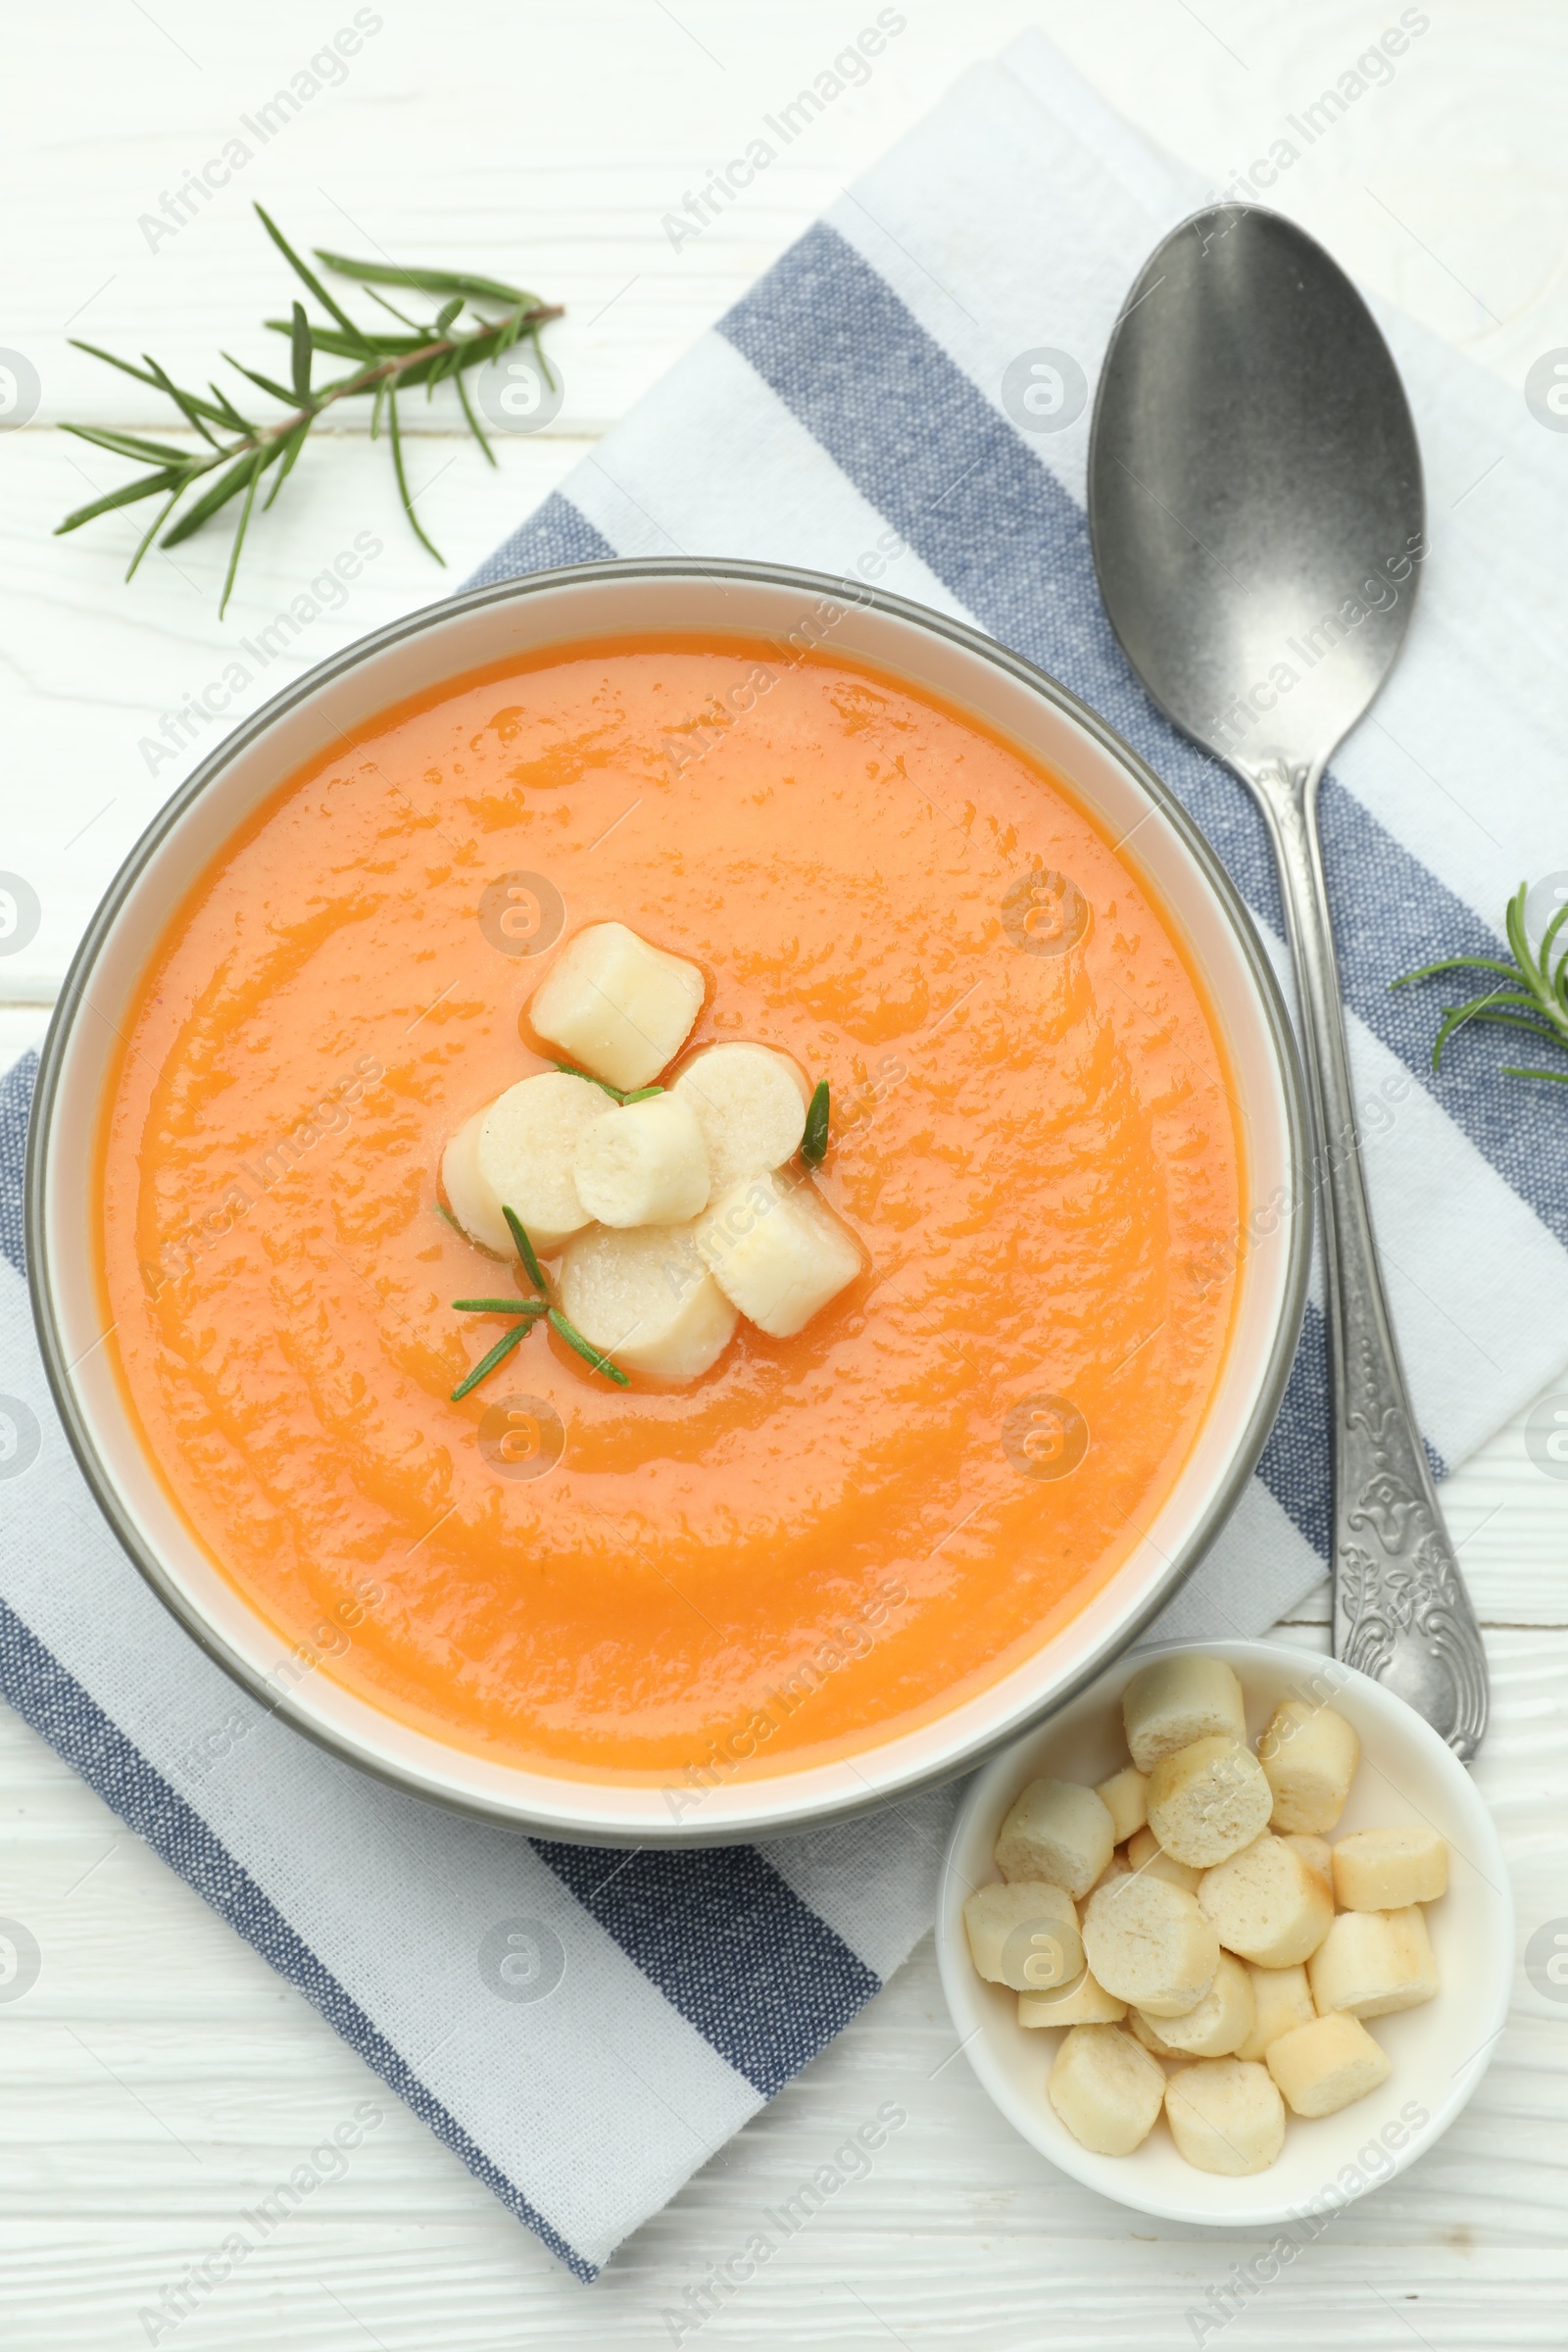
[514, 1227]
[126, 366]
[487, 1363]
[126, 495]
[419, 531]
[308, 277]
[351, 347]
[570, 1069]
[235, 422]
[1514, 923]
[587, 1350]
[638, 1093]
[500, 1306]
[242, 473]
[1456, 963]
[426, 281]
[813, 1143]
[1549, 942]
[262, 383]
[474, 426]
[291, 450]
[153, 529]
[127, 445]
[189, 404]
[1456, 1018]
[382, 303]
[301, 353]
[257, 465]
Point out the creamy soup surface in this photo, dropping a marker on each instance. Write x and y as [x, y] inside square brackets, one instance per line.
[824, 1537]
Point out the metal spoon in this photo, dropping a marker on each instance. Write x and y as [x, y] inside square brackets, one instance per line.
[1254, 465]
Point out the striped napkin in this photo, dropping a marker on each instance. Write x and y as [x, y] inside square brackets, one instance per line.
[902, 397]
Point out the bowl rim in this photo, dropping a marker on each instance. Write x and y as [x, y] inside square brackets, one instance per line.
[961, 1985]
[807, 1812]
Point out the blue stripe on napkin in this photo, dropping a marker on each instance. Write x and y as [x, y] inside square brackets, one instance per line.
[16, 1101]
[76, 1728]
[1294, 1464]
[913, 435]
[729, 1945]
[558, 532]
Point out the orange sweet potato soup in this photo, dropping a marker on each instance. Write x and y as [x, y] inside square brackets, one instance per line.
[824, 1537]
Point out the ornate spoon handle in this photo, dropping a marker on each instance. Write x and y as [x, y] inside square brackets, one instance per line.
[1400, 1609]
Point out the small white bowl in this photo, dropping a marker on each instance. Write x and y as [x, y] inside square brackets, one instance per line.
[1438, 2051]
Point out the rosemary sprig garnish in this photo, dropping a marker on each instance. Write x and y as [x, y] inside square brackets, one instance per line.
[1535, 997]
[638, 1093]
[529, 1313]
[384, 364]
[497, 1355]
[813, 1143]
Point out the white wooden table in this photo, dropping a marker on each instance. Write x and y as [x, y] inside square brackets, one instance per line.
[157, 2078]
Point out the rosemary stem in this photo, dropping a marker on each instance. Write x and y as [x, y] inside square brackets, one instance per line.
[385, 372]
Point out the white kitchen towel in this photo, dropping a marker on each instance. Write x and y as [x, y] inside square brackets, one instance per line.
[584, 2028]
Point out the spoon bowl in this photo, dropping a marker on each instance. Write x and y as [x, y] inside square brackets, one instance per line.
[1256, 498]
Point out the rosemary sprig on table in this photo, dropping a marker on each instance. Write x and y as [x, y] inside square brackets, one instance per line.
[529, 1313]
[1535, 997]
[384, 364]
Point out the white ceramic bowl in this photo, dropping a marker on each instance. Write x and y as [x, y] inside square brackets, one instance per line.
[1438, 2051]
[518, 617]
